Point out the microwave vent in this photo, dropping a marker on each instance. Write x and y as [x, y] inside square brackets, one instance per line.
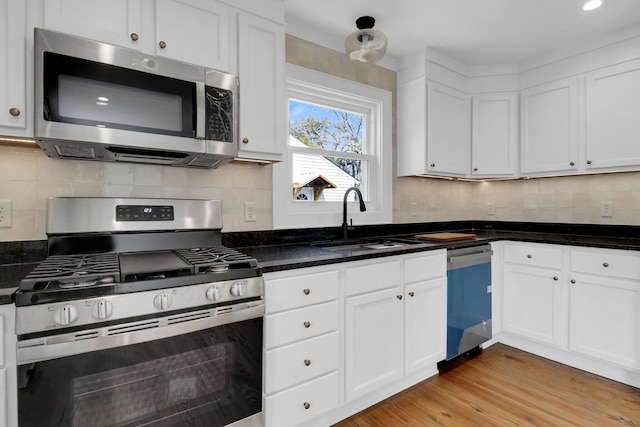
[75, 152]
[205, 162]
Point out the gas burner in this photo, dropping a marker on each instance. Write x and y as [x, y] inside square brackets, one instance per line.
[216, 259]
[217, 268]
[85, 283]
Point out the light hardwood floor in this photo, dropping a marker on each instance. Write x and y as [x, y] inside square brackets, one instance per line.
[503, 386]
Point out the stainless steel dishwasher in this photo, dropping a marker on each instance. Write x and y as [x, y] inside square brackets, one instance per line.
[468, 299]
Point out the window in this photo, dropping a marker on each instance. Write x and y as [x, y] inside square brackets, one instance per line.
[339, 137]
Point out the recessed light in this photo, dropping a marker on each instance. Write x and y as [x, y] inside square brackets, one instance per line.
[592, 4]
[103, 99]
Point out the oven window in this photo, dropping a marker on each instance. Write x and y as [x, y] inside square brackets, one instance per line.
[209, 378]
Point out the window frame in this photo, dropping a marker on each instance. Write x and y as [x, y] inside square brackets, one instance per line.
[318, 88]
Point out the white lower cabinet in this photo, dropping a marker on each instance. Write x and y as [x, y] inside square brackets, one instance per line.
[340, 338]
[576, 305]
[8, 370]
[302, 345]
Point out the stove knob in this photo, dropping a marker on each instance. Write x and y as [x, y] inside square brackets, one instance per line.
[66, 315]
[102, 309]
[238, 289]
[214, 293]
[162, 301]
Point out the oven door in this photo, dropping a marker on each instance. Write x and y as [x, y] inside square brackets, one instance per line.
[200, 368]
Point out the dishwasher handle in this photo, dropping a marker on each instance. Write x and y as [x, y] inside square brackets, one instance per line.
[469, 259]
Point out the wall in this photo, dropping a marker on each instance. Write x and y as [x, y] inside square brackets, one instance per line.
[28, 177]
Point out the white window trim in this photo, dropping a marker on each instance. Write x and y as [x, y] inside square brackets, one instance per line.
[289, 214]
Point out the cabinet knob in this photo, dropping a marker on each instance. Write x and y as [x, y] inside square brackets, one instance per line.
[588, 162]
[572, 164]
[307, 362]
[15, 112]
[245, 140]
[307, 405]
[411, 294]
[529, 256]
[605, 264]
[433, 165]
[399, 296]
[162, 44]
[573, 281]
[555, 278]
[307, 324]
[307, 291]
[475, 169]
[134, 37]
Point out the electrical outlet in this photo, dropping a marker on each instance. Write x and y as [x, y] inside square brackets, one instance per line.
[5, 213]
[606, 209]
[491, 208]
[414, 209]
[249, 211]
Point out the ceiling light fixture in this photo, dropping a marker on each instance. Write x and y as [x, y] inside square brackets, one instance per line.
[592, 4]
[366, 45]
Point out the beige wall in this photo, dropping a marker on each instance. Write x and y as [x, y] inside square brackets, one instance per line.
[28, 177]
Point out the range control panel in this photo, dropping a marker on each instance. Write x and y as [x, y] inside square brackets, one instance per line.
[144, 213]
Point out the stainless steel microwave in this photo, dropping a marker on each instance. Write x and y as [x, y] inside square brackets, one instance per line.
[96, 101]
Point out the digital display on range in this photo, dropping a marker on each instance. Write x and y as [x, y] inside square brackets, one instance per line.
[144, 213]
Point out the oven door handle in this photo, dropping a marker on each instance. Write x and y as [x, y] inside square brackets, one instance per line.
[56, 346]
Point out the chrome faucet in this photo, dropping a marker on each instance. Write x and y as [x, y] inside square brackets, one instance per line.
[345, 226]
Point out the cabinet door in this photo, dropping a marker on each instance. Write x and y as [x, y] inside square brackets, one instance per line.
[425, 323]
[194, 31]
[373, 332]
[613, 108]
[533, 303]
[605, 319]
[549, 128]
[493, 139]
[262, 95]
[13, 99]
[116, 22]
[448, 130]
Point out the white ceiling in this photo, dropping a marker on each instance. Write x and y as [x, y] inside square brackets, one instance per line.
[475, 32]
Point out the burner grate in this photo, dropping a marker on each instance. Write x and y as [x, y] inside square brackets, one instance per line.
[216, 258]
[76, 269]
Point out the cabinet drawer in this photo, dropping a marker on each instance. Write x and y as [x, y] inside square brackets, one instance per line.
[295, 325]
[425, 267]
[369, 277]
[299, 362]
[300, 291]
[533, 255]
[605, 263]
[296, 406]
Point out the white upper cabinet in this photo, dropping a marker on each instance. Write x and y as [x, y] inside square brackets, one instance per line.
[116, 22]
[13, 75]
[494, 140]
[433, 129]
[194, 31]
[612, 114]
[262, 94]
[549, 128]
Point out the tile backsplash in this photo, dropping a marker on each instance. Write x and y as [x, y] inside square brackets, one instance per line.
[28, 177]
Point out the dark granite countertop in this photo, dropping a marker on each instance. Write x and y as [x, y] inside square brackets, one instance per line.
[279, 250]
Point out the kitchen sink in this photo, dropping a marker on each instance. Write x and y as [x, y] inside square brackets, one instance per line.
[369, 244]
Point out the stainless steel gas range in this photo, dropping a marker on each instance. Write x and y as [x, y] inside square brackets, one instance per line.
[139, 316]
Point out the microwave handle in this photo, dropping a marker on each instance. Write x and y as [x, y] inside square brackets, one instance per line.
[200, 110]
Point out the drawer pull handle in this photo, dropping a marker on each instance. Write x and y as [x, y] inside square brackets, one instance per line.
[15, 112]
[307, 291]
[605, 264]
[134, 37]
[399, 297]
[529, 256]
[555, 278]
[307, 324]
[307, 405]
[411, 294]
[307, 362]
